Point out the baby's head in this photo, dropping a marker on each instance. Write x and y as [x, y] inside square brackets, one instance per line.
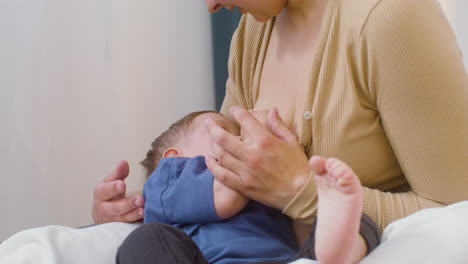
[188, 137]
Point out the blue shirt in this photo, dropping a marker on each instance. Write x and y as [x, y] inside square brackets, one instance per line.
[180, 193]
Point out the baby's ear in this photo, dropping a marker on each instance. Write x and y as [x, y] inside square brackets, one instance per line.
[171, 152]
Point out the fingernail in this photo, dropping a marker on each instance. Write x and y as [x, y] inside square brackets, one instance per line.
[139, 202]
[140, 212]
[208, 122]
[210, 161]
[275, 111]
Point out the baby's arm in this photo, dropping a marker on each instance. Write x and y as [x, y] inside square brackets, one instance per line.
[227, 202]
[183, 191]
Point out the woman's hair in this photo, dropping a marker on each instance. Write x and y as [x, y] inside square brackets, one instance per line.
[168, 139]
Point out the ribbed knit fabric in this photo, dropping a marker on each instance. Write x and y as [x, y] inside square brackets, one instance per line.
[388, 95]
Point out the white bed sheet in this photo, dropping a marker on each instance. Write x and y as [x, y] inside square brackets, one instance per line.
[431, 236]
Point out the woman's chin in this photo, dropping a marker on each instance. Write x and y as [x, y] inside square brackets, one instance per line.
[260, 17]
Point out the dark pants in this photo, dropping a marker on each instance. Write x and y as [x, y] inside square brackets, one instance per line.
[156, 243]
[159, 244]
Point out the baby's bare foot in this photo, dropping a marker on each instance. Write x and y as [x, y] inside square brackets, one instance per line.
[339, 210]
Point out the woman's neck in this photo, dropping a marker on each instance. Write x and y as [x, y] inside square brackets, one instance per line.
[303, 15]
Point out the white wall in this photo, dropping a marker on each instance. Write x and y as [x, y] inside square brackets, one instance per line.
[84, 84]
[457, 14]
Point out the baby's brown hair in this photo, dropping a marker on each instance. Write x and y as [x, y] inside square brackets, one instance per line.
[168, 139]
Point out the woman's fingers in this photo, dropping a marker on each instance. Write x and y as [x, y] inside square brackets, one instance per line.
[132, 216]
[108, 190]
[124, 205]
[109, 203]
[117, 210]
[120, 172]
[278, 128]
[224, 175]
[250, 126]
[225, 159]
[229, 143]
[261, 116]
[113, 185]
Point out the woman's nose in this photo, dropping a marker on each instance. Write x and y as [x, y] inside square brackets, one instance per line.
[213, 6]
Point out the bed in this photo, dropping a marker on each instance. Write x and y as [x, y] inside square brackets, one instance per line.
[410, 240]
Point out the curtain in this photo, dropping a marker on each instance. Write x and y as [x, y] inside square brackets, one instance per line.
[223, 25]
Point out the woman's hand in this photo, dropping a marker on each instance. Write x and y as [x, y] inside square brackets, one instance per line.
[268, 165]
[110, 203]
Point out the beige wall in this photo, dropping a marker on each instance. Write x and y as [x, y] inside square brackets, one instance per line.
[84, 84]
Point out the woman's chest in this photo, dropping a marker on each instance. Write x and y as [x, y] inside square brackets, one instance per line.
[286, 94]
[332, 115]
[284, 83]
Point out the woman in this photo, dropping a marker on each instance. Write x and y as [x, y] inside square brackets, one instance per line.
[379, 84]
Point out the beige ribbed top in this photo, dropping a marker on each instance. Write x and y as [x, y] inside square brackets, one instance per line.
[388, 94]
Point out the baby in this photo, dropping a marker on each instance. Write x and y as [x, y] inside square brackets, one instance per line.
[226, 226]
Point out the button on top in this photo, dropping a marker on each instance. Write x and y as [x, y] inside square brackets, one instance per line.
[307, 115]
